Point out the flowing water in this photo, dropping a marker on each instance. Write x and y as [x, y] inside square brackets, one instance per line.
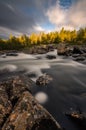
[67, 90]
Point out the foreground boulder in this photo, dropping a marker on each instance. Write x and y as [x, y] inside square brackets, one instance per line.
[29, 115]
[19, 110]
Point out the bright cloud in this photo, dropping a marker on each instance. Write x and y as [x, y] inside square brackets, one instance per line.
[38, 28]
[71, 18]
[56, 14]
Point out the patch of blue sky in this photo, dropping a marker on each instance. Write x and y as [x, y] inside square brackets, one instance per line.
[65, 3]
[48, 26]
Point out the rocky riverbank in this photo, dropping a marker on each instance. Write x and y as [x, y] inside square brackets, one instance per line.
[19, 110]
[78, 53]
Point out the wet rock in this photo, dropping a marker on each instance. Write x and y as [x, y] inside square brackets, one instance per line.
[11, 54]
[19, 110]
[78, 117]
[44, 79]
[80, 58]
[3, 56]
[84, 49]
[30, 117]
[75, 55]
[51, 57]
[10, 91]
[16, 86]
[77, 50]
[5, 105]
[37, 50]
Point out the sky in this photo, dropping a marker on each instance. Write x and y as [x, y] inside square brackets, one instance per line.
[19, 17]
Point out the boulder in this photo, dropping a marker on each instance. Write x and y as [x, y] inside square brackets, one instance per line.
[44, 80]
[77, 50]
[19, 110]
[61, 49]
[29, 115]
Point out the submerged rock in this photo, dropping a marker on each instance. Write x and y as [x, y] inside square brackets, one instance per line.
[78, 117]
[19, 110]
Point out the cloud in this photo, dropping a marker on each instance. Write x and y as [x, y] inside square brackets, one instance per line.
[21, 16]
[38, 28]
[56, 14]
[25, 16]
[10, 7]
[5, 32]
[14, 19]
[77, 14]
[71, 18]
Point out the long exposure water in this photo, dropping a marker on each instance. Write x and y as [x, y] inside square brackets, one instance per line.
[67, 90]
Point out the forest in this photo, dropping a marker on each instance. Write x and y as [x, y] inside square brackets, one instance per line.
[68, 37]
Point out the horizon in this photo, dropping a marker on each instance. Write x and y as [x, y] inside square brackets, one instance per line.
[26, 17]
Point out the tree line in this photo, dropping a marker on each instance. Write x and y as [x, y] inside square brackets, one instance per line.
[62, 36]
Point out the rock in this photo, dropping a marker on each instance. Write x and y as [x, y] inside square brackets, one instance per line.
[3, 56]
[38, 50]
[78, 117]
[84, 49]
[75, 55]
[10, 91]
[77, 50]
[61, 49]
[81, 58]
[11, 54]
[19, 110]
[29, 115]
[50, 47]
[15, 86]
[51, 57]
[5, 105]
[44, 80]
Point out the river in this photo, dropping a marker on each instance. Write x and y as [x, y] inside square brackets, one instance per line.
[67, 90]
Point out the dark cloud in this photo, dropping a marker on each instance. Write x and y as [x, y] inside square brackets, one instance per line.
[23, 15]
[12, 18]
